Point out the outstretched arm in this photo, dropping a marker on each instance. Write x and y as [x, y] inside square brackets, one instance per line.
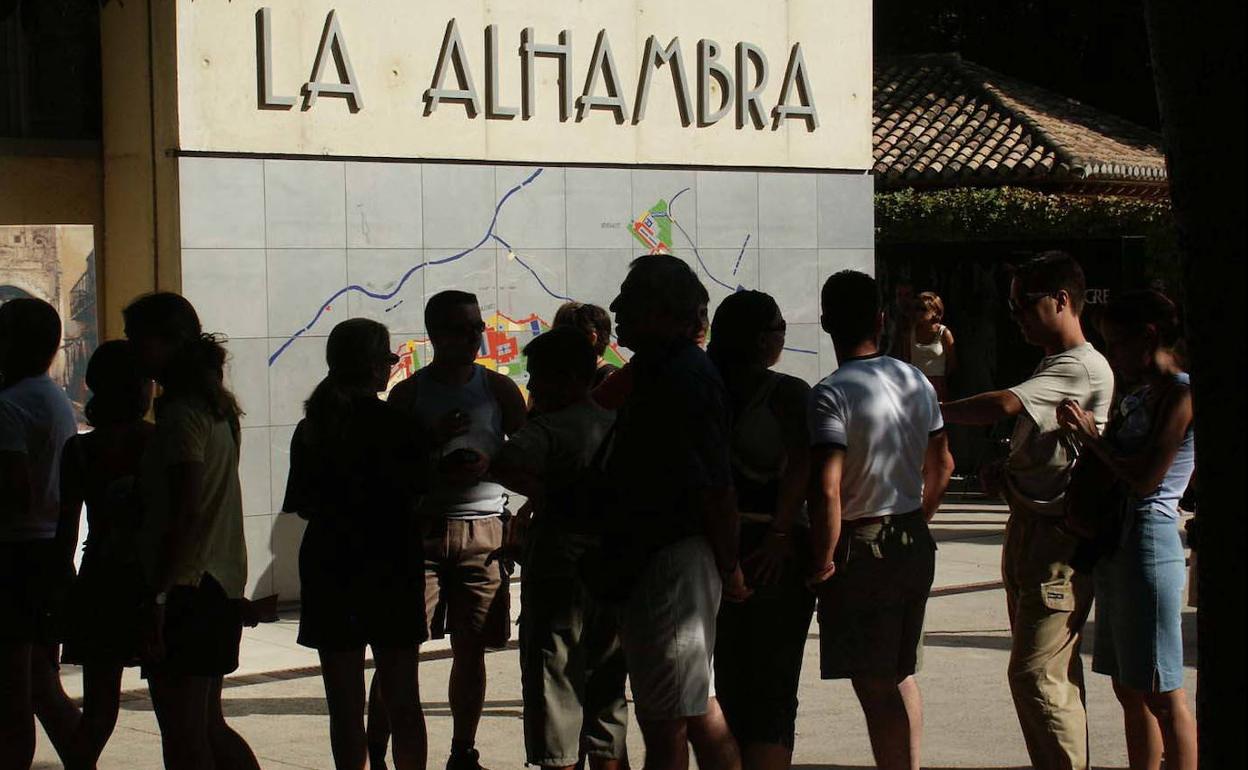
[984, 409]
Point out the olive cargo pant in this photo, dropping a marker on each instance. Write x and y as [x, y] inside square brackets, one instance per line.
[1048, 604]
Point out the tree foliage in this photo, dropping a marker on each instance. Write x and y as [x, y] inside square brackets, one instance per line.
[1012, 213]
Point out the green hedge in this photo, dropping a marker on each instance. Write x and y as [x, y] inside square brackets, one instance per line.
[1011, 213]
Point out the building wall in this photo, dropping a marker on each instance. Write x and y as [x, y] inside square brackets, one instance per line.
[291, 219]
[47, 189]
[275, 252]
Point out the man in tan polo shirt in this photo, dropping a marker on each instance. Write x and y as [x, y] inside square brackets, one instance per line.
[1047, 600]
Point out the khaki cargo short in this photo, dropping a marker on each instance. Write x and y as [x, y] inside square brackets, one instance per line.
[467, 594]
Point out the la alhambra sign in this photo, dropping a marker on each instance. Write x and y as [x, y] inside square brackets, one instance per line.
[715, 82]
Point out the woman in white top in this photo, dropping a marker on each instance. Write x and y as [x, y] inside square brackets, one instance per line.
[931, 343]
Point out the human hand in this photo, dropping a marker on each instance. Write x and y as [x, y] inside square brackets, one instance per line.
[1076, 420]
[767, 561]
[454, 423]
[821, 575]
[504, 557]
[518, 531]
[464, 467]
[735, 589]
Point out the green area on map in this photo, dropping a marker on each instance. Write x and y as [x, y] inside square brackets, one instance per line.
[653, 229]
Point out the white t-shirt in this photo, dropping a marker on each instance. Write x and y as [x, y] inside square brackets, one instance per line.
[36, 419]
[1041, 455]
[882, 412]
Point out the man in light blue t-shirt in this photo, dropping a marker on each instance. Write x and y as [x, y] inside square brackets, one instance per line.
[881, 462]
[36, 419]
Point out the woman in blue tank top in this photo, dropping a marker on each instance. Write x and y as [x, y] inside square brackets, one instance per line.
[1149, 446]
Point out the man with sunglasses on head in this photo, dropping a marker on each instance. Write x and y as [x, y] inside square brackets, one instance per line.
[1047, 600]
[468, 411]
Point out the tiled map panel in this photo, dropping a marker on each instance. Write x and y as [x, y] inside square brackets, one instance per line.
[275, 252]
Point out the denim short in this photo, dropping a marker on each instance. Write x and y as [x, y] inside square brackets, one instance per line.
[1139, 606]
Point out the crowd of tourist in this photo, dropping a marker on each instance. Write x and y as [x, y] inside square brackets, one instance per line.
[685, 517]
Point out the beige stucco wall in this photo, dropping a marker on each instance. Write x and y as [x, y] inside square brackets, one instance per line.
[140, 174]
[393, 46]
[49, 190]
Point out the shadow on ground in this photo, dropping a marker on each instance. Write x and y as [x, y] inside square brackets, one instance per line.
[976, 536]
[315, 706]
[999, 639]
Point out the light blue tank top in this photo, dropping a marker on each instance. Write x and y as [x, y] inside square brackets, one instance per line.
[485, 435]
[1130, 437]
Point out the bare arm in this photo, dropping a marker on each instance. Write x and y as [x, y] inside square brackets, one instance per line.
[720, 522]
[951, 353]
[1142, 472]
[791, 397]
[517, 479]
[937, 468]
[984, 409]
[187, 524]
[827, 463]
[510, 401]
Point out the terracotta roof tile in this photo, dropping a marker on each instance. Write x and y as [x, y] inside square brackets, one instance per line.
[941, 119]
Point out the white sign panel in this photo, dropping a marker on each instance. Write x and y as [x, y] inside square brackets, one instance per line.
[781, 83]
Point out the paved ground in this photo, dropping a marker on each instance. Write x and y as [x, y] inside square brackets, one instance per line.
[276, 700]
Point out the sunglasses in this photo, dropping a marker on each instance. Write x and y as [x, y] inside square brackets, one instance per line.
[1030, 298]
[463, 329]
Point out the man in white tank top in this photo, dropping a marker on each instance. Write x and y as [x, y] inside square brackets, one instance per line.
[469, 411]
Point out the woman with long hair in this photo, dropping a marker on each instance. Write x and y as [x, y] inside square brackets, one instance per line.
[100, 469]
[931, 347]
[191, 537]
[356, 464]
[1149, 447]
[760, 641]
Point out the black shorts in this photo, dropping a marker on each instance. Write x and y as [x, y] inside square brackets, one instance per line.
[203, 631]
[350, 600]
[871, 610]
[31, 579]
